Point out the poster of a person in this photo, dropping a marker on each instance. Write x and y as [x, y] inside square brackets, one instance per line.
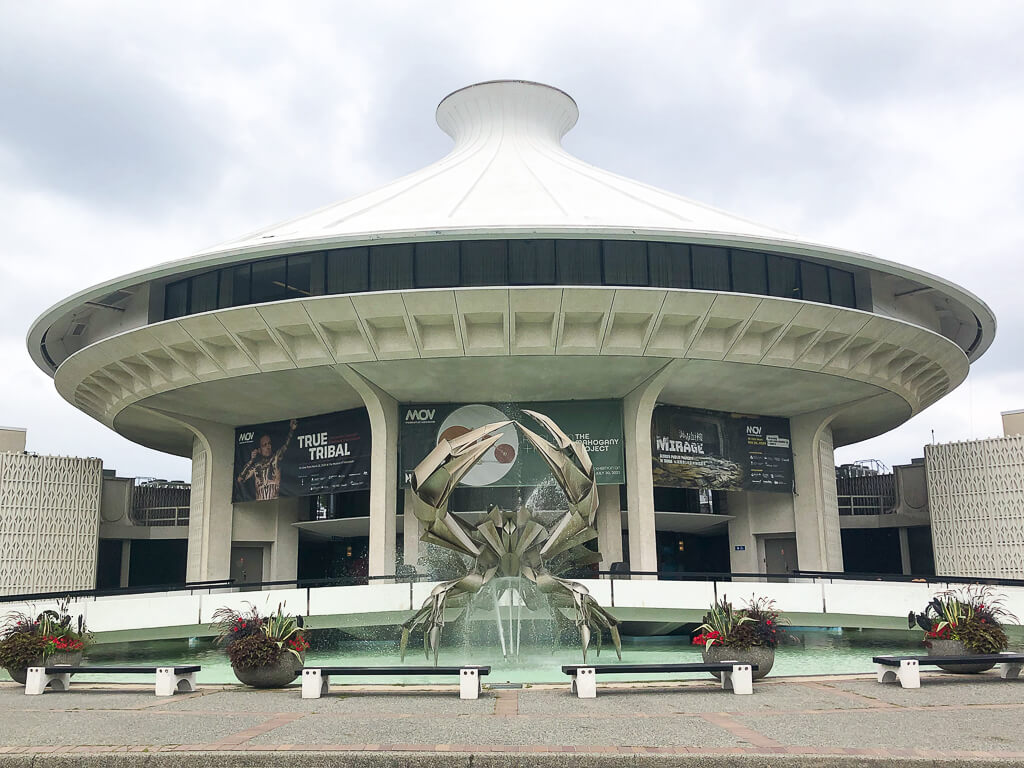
[264, 467]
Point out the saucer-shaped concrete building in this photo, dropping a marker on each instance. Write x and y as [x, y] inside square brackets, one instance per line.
[511, 272]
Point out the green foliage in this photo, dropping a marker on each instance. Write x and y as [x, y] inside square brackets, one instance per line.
[15, 623]
[721, 622]
[280, 626]
[231, 625]
[56, 630]
[972, 614]
[21, 649]
[254, 651]
[280, 629]
[982, 637]
[760, 623]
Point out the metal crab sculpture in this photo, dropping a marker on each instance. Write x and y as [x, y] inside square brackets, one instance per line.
[510, 544]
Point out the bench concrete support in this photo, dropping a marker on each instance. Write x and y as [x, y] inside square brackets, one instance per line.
[36, 681]
[469, 683]
[314, 684]
[740, 679]
[1010, 670]
[584, 683]
[168, 683]
[908, 673]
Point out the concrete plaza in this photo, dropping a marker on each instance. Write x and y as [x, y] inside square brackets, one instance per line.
[848, 720]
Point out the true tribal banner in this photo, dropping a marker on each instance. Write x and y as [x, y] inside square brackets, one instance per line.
[329, 453]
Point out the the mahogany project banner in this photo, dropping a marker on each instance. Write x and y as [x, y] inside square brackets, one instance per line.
[721, 451]
[329, 453]
[512, 461]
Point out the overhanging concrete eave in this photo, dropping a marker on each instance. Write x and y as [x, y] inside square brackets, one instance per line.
[799, 347]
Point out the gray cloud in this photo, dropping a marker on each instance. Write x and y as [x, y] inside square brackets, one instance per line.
[88, 124]
[137, 133]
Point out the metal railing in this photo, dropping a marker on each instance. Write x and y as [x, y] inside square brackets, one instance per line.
[160, 516]
[411, 578]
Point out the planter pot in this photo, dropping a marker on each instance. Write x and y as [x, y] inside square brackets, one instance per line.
[276, 675]
[956, 648]
[72, 658]
[761, 655]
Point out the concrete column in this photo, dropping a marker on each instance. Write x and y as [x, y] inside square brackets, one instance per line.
[741, 534]
[210, 510]
[284, 551]
[815, 504]
[412, 529]
[637, 408]
[905, 550]
[756, 515]
[609, 525]
[126, 561]
[383, 412]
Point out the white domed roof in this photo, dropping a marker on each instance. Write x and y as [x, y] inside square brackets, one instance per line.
[507, 172]
[509, 176]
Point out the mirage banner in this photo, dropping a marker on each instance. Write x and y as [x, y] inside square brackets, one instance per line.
[721, 451]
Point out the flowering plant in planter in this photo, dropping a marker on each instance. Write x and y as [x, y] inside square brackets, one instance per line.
[746, 635]
[760, 623]
[263, 650]
[972, 616]
[53, 636]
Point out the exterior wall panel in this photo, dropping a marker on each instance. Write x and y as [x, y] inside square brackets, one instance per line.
[49, 522]
[976, 497]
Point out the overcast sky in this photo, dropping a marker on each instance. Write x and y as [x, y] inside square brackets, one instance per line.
[138, 132]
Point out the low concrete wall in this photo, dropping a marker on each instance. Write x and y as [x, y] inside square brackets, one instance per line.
[823, 603]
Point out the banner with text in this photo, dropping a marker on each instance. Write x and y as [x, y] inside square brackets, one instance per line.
[329, 453]
[721, 451]
[512, 461]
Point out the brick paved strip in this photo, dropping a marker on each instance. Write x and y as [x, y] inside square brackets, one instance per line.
[749, 735]
[506, 703]
[379, 756]
[282, 718]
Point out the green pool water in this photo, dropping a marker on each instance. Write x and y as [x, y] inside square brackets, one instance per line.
[811, 652]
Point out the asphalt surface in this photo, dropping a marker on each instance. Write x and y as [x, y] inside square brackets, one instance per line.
[849, 720]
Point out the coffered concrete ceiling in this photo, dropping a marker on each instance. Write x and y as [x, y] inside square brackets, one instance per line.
[503, 379]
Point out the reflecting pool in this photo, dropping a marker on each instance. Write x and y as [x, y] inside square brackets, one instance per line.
[812, 651]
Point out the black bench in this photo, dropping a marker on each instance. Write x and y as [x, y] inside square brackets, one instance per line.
[735, 675]
[906, 669]
[315, 680]
[169, 680]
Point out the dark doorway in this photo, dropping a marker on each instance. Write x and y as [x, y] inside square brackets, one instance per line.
[780, 555]
[108, 564]
[690, 553]
[922, 557]
[155, 562]
[871, 550]
[344, 559]
[247, 564]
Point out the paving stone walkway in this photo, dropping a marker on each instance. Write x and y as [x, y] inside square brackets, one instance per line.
[849, 720]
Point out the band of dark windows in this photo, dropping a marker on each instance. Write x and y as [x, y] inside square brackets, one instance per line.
[509, 262]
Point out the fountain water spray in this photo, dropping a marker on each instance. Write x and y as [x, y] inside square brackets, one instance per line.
[513, 546]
